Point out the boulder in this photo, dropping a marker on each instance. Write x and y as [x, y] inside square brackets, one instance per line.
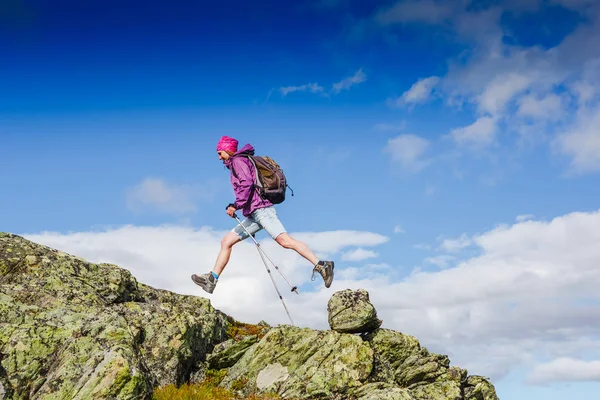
[399, 359]
[78, 330]
[447, 386]
[391, 349]
[350, 311]
[479, 388]
[302, 363]
[226, 354]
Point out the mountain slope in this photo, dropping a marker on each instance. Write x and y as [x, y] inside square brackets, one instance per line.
[71, 329]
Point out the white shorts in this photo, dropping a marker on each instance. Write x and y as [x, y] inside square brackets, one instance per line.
[263, 218]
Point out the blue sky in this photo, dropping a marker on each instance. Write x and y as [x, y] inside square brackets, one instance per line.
[426, 143]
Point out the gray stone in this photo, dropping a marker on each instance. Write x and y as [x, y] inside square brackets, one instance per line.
[272, 374]
[350, 311]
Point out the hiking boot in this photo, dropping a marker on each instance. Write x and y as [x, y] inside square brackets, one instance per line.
[325, 268]
[205, 281]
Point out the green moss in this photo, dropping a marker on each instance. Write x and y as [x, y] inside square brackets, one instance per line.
[239, 384]
[71, 328]
[316, 362]
[131, 306]
[439, 390]
[479, 388]
[391, 349]
[67, 391]
[214, 377]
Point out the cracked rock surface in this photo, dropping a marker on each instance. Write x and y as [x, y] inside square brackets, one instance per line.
[350, 311]
[70, 329]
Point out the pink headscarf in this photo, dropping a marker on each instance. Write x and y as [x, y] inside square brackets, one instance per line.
[227, 143]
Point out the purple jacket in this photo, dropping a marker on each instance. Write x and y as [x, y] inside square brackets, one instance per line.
[246, 197]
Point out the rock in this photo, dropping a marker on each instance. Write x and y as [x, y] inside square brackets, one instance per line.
[78, 330]
[391, 349]
[226, 354]
[272, 374]
[420, 367]
[447, 386]
[350, 311]
[382, 391]
[314, 363]
[479, 388]
[400, 359]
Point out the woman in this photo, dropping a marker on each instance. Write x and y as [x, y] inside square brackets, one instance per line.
[260, 214]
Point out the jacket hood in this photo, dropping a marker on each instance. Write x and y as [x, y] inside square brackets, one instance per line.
[247, 149]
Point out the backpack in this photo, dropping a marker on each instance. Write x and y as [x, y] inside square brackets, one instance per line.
[270, 179]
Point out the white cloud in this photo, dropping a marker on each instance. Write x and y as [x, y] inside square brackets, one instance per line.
[524, 217]
[582, 142]
[457, 244]
[369, 271]
[479, 134]
[440, 261]
[584, 91]
[154, 194]
[528, 90]
[334, 241]
[549, 107]
[309, 87]
[408, 150]
[398, 229]
[566, 369]
[531, 294]
[501, 90]
[347, 83]
[419, 92]
[358, 255]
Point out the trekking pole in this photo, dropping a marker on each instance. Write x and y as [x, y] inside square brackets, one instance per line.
[268, 270]
[261, 252]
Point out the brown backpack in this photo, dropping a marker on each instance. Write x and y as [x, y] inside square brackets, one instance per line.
[270, 179]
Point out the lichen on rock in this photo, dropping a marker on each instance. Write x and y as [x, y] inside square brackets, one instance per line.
[226, 354]
[350, 311]
[72, 329]
[382, 391]
[318, 363]
[479, 388]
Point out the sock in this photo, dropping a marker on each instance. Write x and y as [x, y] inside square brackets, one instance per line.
[215, 275]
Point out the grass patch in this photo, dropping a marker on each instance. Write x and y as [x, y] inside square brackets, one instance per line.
[213, 377]
[203, 391]
[236, 330]
[208, 390]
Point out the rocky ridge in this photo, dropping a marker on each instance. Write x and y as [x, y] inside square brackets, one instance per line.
[71, 329]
